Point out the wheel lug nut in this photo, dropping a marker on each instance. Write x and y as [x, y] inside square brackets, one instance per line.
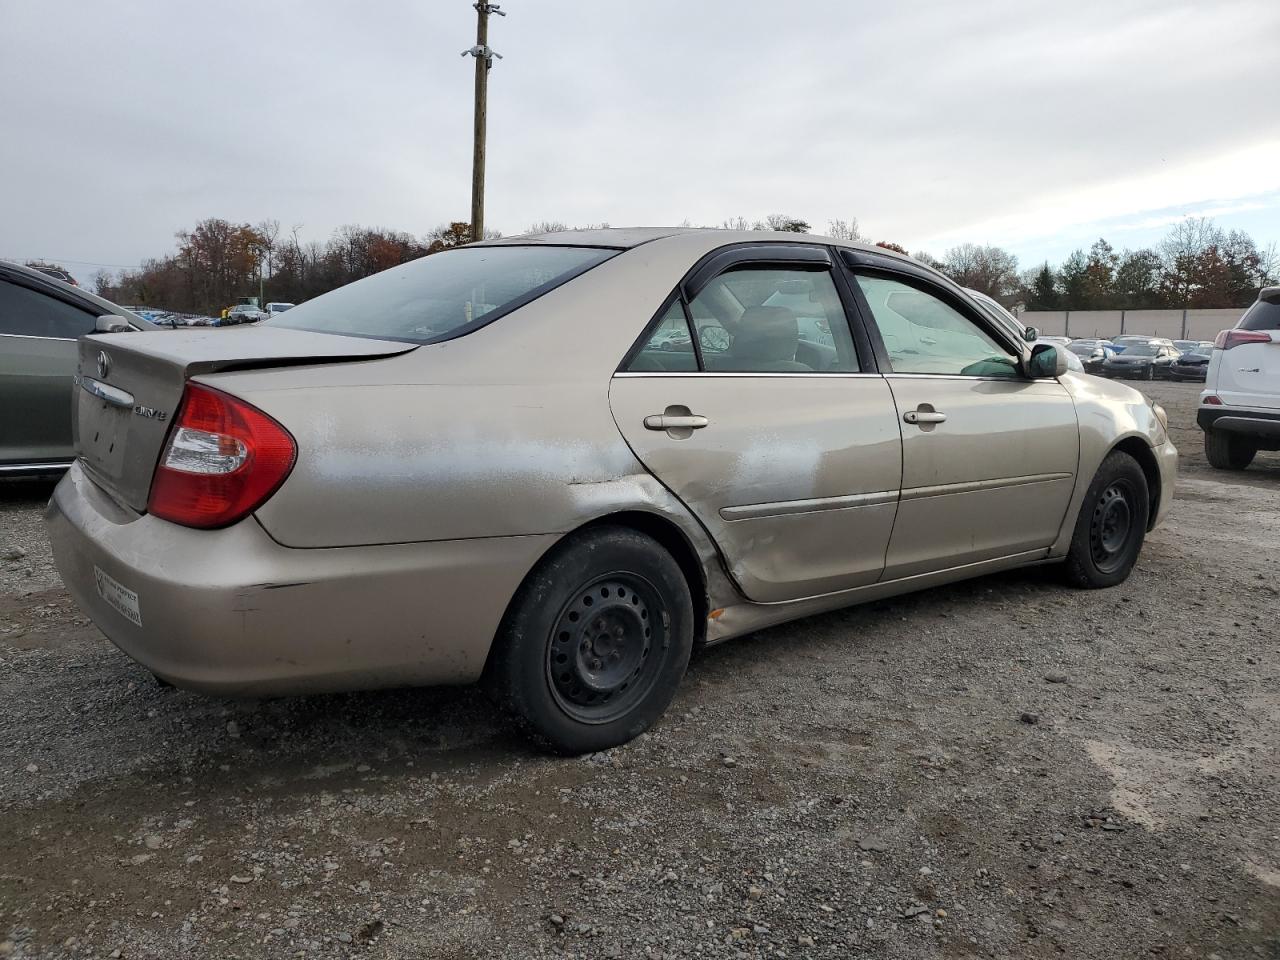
[595, 664]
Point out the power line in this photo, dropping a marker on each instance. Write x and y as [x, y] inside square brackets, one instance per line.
[82, 263]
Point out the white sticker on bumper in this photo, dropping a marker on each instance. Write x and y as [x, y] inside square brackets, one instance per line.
[121, 598]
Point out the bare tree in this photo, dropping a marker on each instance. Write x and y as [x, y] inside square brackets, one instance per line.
[844, 229]
[987, 269]
[786, 224]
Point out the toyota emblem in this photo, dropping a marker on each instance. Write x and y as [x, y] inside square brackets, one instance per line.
[104, 365]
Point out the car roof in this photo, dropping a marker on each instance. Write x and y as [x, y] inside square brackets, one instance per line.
[627, 238]
[65, 291]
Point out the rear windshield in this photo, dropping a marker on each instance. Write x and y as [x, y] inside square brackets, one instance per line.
[444, 295]
[1261, 316]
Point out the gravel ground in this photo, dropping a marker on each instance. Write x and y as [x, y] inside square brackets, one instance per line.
[1003, 768]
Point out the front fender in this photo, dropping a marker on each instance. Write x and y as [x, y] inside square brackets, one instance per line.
[1111, 414]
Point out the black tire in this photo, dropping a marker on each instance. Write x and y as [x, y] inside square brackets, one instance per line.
[595, 642]
[1111, 526]
[1228, 451]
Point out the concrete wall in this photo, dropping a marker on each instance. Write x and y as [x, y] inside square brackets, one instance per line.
[1174, 324]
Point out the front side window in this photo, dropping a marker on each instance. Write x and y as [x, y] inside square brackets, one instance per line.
[923, 334]
[28, 313]
[771, 320]
[444, 295]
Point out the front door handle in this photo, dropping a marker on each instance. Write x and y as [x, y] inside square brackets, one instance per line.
[924, 416]
[663, 421]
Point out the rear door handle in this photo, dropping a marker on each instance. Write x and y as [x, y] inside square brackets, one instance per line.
[924, 416]
[664, 421]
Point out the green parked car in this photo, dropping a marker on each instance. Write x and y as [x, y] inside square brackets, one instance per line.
[40, 320]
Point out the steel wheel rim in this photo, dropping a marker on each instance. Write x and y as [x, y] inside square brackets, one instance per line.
[1111, 526]
[604, 653]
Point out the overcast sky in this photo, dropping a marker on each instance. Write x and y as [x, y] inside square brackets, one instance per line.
[1035, 126]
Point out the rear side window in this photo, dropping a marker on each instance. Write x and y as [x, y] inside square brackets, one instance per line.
[755, 320]
[444, 295]
[28, 313]
[1261, 316]
[773, 320]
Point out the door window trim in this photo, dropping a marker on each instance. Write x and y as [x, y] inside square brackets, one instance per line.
[36, 336]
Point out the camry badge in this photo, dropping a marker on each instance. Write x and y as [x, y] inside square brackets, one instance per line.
[104, 365]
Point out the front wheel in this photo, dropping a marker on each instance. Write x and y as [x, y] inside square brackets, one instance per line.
[1227, 451]
[1111, 526]
[596, 640]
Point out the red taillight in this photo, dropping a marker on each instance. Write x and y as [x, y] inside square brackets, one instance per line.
[1212, 400]
[1234, 338]
[222, 460]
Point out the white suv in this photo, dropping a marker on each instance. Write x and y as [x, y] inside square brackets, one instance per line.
[1240, 405]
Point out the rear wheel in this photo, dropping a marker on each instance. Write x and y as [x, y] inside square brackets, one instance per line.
[1228, 451]
[1111, 526]
[596, 641]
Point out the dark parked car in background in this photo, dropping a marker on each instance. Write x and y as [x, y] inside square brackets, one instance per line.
[1092, 354]
[1142, 361]
[40, 321]
[1192, 365]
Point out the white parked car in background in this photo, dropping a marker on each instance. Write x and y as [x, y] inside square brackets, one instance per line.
[1240, 404]
[274, 308]
[246, 313]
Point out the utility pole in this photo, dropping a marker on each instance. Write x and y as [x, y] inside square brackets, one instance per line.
[484, 61]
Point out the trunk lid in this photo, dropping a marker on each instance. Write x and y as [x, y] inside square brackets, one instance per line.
[130, 385]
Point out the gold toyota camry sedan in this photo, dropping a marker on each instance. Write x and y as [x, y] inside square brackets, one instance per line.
[557, 463]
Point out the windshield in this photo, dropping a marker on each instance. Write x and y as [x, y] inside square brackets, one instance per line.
[1140, 350]
[443, 295]
[1082, 349]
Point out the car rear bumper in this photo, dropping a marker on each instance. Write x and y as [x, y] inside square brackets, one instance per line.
[1126, 370]
[233, 612]
[1254, 423]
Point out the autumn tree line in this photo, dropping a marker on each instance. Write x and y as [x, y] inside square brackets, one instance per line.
[1196, 265]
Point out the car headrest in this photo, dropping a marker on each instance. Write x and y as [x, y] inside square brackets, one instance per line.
[766, 334]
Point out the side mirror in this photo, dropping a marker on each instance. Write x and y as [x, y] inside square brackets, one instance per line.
[1031, 334]
[110, 323]
[1046, 361]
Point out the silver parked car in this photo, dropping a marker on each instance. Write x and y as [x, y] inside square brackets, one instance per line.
[40, 320]
[560, 462]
